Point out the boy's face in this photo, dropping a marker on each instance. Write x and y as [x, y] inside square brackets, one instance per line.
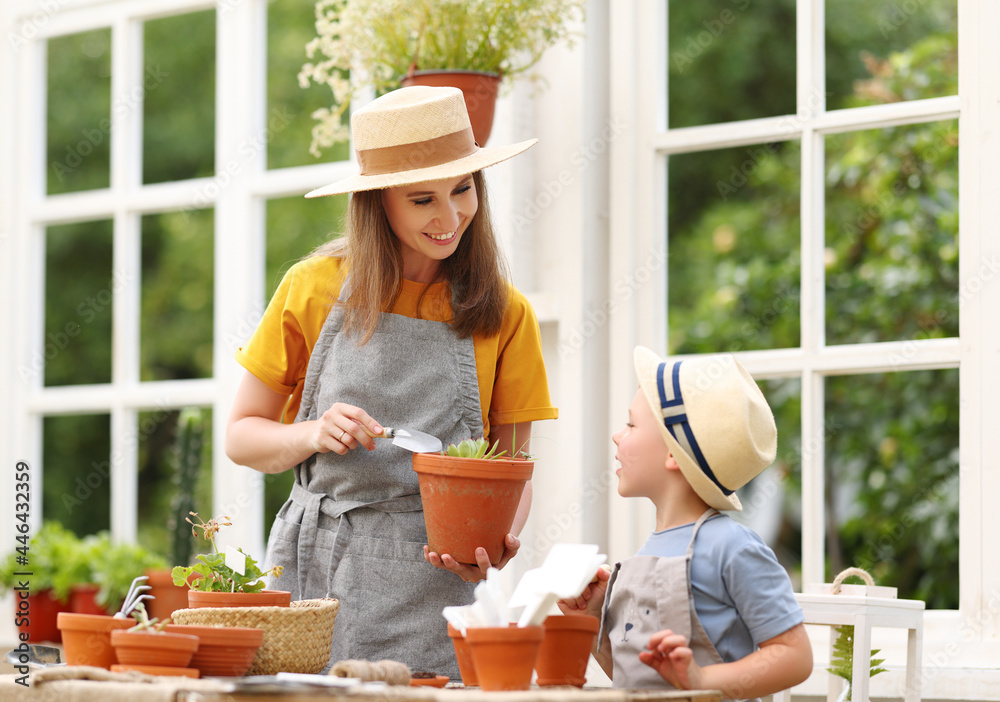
[642, 452]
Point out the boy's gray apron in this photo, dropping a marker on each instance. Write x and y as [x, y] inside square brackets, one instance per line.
[647, 594]
[353, 527]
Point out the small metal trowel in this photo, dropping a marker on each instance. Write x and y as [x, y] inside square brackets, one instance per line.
[412, 440]
[34, 655]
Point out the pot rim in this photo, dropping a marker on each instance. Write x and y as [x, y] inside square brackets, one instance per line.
[499, 468]
[453, 71]
[578, 622]
[78, 621]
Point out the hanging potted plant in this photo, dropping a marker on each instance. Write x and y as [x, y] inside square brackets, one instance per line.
[470, 495]
[476, 45]
[230, 579]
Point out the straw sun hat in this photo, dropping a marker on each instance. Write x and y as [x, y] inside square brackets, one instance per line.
[412, 135]
[715, 420]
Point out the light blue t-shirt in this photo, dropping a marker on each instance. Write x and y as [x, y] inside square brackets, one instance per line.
[742, 595]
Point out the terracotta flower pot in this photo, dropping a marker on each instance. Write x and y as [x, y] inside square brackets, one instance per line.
[222, 650]
[464, 657]
[479, 89]
[154, 648]
[168, 597]
[504, 656]
[83, 599]
[264, 598]
[469, 502]
[37, 616]
[87, 638]
[565, 649]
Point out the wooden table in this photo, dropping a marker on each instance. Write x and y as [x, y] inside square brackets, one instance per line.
[101, 686]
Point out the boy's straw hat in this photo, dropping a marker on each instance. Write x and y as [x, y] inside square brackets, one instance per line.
[714, 418]
[412, 135]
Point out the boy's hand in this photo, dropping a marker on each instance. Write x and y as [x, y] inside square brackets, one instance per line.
[670, 656]
[591, 600]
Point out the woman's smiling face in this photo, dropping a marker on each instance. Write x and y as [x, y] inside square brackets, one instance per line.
[429, 220]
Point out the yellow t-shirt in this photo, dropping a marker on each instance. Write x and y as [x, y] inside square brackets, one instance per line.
[512, 383]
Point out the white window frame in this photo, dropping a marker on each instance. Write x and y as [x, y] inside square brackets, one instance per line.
[237, 191]
[955, 642]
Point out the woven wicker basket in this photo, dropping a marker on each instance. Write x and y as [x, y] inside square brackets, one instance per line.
[296, 638]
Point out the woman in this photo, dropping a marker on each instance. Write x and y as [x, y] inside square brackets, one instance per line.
[408, 321]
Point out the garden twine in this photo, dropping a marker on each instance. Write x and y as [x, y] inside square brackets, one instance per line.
[392, 672]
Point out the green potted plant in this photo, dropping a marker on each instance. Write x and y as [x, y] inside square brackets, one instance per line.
[214, 583]
[41, 596]
[477, 44]
[470, 494]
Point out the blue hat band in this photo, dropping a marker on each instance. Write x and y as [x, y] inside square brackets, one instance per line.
[676, 421]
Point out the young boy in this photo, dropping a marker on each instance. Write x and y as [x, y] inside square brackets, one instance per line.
[705, 603]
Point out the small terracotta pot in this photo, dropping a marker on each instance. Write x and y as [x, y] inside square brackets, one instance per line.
[37, 616]
[87, 638]
[464, 657]
[264, 598]
[504, 656]
[469, 502]
[222, 650]
[479, 88]
[565, 650]
[154, 648]
[168, 597]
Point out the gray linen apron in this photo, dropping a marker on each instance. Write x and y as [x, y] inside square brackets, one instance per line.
[353, 527]
[647, 594]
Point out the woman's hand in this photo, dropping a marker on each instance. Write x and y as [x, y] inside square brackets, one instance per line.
[344, 427]
[591, 600]
[473, 573]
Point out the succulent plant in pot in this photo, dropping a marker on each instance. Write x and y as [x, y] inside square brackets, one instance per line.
[226, 579]
[470, 493]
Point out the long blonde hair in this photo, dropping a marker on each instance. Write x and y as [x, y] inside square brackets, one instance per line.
[476, 272]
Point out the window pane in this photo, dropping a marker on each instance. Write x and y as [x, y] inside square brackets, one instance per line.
[79, 289]
[178, 138]
[733, 263]
[296, 226]
[892, 481]
[730, 60]
[772, 502]
[177, 295]
[880, 51]
[290, 25]
[175, 479]
[76, 490]
[78, 118]
[892, 234]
